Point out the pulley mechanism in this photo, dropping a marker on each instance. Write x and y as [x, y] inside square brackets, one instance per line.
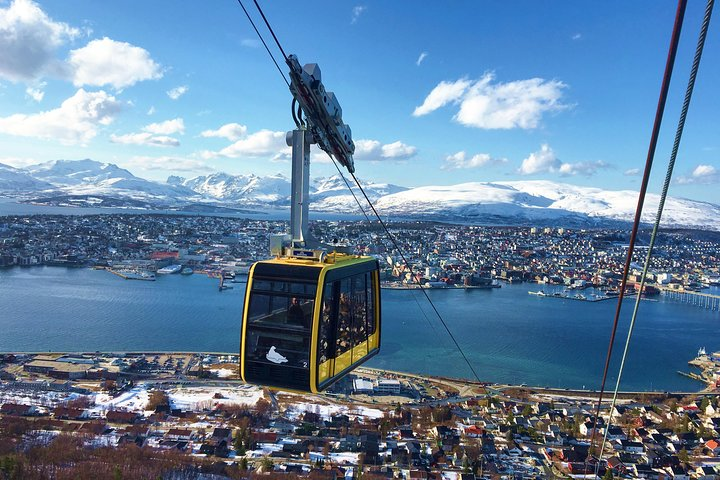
[323, 125]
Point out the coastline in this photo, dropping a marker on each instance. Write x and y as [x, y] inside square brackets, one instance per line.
[464, 387]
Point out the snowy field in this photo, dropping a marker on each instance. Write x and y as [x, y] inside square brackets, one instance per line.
[326, 411]
[134, 400]
[197, 398]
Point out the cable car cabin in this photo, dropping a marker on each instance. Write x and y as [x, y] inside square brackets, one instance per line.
[306, 324]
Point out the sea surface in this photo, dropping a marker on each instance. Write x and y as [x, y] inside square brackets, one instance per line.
[507, 335]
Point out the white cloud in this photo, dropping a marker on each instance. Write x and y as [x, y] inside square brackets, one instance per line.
[264, 143]
[458, 160]
[577, 36]
[151, 110]
[398, 150]
[420, 59]
[168, 163]
[356, 12]
[632, 172]
[250, 43]
[177, 92]
[145, 138]
[441, 95]
[35, 93]
[487, 105]
[374, 150]
[541, 161]
[109, 62]
[154, 135]
[545, 161]
[76, 121]
[702, 174]
[28, 41]
[168, 127]
[582, 168]
[231, 131]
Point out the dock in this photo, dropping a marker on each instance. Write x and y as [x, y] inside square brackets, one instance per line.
[579, 297]
[698, 299]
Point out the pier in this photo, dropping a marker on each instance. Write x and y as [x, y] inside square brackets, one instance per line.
[577, 296]
[703, 300]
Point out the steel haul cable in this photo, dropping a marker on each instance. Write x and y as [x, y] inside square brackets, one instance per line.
[661, 206]
[680, 14]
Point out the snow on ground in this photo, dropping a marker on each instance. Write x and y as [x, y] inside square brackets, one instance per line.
[326, 411]
[344, 458]
[197, 398]
[134, 400]
[224, 372]
[264, 449]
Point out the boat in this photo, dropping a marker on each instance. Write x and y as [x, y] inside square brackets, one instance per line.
[137, 275]
[539, 293]
[186, 271]
[170, 269]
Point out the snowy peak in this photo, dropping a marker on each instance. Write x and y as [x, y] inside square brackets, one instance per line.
[246, 189]
[502, 203]
[77, 172]
[525, 202]
[16, 180]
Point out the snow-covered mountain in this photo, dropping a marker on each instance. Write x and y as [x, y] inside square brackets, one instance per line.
[528, 202]
[76, 172]
[326, 193]
[506, 203]
[13, 180]
[89, 177]
[245, 189]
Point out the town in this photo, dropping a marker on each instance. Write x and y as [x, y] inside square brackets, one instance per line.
[185, 415]
[439, 255]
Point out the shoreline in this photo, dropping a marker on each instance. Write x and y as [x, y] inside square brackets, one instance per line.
[457, 382]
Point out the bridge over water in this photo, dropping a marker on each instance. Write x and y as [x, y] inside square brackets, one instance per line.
[703, 300]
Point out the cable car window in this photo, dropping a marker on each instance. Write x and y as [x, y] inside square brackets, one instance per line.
[280, 310]
[370, 303]
[325, 331]
[359, 318]
[344, 318]
[278, 348]
[293, 288]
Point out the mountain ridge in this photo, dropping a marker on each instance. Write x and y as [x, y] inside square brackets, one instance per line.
[501, 202]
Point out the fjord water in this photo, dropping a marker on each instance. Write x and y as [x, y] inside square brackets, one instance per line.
[508, 335]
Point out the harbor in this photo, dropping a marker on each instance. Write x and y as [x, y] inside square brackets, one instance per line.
[593, 297]
[709, 365]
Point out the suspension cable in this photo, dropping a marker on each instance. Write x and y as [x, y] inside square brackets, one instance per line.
[412, 275]
[387, 232]
[272, 32]
[663, 196]
[347, 184]
[675, 37]
[272, 57]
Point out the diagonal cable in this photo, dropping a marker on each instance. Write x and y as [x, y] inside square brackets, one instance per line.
[672, 52]
[663, 196]
[412, 275]
[272, 57]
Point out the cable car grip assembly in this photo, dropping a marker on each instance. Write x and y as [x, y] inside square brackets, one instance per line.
[323, 126]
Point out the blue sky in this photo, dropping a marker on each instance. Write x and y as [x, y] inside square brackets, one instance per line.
[435, 93]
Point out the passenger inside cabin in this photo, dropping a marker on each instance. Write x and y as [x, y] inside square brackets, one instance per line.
[295, 314]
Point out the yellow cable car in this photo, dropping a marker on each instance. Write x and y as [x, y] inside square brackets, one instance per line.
[307, 323]
[310, 316]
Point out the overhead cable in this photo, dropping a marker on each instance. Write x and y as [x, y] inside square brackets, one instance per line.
[672, 52]
[663, 197]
